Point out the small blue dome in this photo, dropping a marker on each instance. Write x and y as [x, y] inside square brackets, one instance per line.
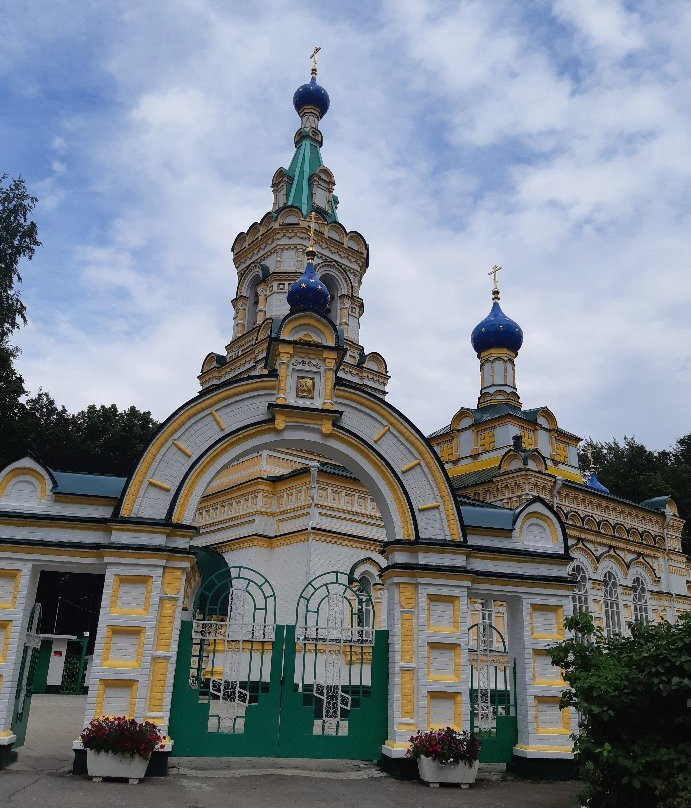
[311, 95]
[497, 331]
[308, 293]
[594, 483]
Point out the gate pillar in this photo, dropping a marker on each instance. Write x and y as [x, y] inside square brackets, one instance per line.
[535, 623]
[428, 656]
[18, 582]
[136, 644]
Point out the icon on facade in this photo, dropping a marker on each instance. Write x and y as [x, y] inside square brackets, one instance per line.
[304, 387]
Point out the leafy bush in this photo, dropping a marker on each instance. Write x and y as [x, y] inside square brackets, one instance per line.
[445, 746]
[633, 698]
[121, 736]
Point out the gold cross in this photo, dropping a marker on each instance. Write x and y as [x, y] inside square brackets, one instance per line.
[313, 57]
[494, 271]
[590, 456]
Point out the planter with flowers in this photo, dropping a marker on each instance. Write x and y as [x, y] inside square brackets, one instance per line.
[446, 756]
[119, 747]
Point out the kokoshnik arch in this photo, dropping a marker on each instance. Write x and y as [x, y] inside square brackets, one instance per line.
[290, 546]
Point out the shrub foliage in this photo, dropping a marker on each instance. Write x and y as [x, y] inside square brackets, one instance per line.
[633, 698]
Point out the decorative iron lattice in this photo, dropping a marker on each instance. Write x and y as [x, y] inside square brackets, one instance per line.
[231, 647]
[482, 667]
[334, 627]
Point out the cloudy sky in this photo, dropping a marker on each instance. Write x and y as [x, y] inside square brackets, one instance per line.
[550, 137]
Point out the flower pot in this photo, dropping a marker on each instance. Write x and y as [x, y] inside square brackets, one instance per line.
[107, 764]
[434, 773]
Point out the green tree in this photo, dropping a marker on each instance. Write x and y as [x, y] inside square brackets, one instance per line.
[633, 698]
[18, 241]
[98, 440]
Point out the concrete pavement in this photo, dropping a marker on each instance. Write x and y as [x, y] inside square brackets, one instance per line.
[40, 777]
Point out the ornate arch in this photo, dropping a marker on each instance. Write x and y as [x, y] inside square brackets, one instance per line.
[369, 437]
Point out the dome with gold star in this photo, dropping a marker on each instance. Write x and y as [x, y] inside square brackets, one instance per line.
[308, 293]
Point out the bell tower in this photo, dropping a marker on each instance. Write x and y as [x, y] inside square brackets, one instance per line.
[272, 254]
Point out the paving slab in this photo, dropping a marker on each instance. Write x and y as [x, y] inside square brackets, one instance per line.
[24, 789]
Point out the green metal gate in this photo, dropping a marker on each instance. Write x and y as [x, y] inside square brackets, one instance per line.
[492, 692]
[247, 687]
[27, 671]
[72, 682]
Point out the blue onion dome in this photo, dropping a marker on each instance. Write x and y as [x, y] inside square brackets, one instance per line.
[497, 331]
[308, 293]
[594, 483]
[311, 95]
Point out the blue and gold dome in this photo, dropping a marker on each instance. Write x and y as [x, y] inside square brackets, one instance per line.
[311, 95]
[497, 331]
[308, 293]
[595, 484]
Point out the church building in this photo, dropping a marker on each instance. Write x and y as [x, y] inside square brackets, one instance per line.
[294, 569]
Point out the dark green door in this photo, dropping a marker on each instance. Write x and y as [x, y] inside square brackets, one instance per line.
[245, 687]
[27, 672]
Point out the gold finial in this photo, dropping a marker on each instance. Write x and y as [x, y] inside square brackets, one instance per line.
[590, 458]
[495, 287]
[313, 57]
[312, 217]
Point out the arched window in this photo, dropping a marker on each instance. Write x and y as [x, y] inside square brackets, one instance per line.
[579, 597]
[612, 607]
[333, 287]
[252, 303]
[365, 617]
[640, 600]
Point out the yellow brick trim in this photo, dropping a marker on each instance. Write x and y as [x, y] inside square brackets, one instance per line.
[157, 685]
[440, 695]
[16, 574]
[381, 434]
[176, 426]
[407, 594]
[132, 684]
[534, 748]
[6, 626]
[487, 463]
[565, 728]
[111, 631]
[431, 506]
[558, 611]
[23, 472]
[371, 459]
[444, 646]
[410, 466]
[455, 604]
[558, 682]
[166, 621]
[218, 419]
[427, 455]
[172, 580]
[158, 484]
[407, 637]
[407, 693]
[182, 448]
[118, 580]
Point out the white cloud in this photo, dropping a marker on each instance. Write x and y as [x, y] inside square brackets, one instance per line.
[459, 137]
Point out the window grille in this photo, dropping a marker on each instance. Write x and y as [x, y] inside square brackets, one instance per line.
[579, 597]
[640, 601]
[612, 606]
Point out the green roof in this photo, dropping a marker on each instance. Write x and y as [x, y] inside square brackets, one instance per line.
[88, 485]
[474, 477]
[306, 160]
